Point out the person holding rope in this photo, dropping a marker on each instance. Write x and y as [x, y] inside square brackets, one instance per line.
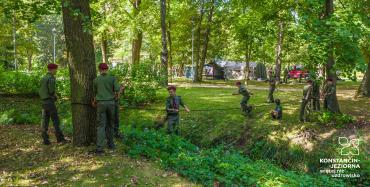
[106, 91]
[242, 90]
[173, 103]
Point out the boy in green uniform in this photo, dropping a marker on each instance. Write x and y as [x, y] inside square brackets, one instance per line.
[173, 103]
[47, 94]
[307, 96]
[329, 94]
[278, 112]
[105, 91]
[242, 90]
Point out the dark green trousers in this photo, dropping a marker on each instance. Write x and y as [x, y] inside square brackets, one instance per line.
[271, 94]
[329, 103]
[105, 116]
[316, 103]
[173, 121]
[302, 116]
[49, 110]
[244, 105]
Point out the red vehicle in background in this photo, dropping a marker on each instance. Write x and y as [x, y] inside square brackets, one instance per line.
[296, 72]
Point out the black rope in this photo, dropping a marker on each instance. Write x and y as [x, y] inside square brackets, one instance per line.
[76, 103]
[196, 110]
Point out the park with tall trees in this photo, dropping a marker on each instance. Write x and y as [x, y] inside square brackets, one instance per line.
[202, 92]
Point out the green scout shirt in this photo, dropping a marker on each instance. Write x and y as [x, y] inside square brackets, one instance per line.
[272, 81]
[307, 92]
[329, 90]
[243, 91]
[47, 88]
[174, 103]
[105, 86]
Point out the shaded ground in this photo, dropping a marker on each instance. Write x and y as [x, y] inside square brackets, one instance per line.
[24, 161]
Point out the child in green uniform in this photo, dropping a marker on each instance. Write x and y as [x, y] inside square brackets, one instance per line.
[278, 112]
[173, 103]
[242, 90]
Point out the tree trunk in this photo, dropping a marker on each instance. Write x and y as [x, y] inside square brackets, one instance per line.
[279, 50]
[164, 54]
[170, 63]
[29, 59]
[198, 44]
[248, 54]
[138, 35]
[205, 42]
[104, 48]
[330, 71]
[364, 88]
[82, 69]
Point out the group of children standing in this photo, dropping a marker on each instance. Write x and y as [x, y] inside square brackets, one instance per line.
[106, 100]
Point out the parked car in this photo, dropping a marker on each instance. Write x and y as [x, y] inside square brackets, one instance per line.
[297, 71]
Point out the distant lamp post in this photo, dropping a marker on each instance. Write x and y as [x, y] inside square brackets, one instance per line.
[54, 34]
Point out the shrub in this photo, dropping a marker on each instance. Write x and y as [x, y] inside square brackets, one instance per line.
[141, 80]
[338, 119]
[207, 166]
[12, 116]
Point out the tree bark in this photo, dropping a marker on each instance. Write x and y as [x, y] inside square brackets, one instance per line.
[79, 41]
[205, 42]
[198, 44]
[170, 63]
[138, 35]
[248, 55]
[164, 54]
[330, 71]
[104, 47]
[279, 49]
[29, 59]
[364, 88]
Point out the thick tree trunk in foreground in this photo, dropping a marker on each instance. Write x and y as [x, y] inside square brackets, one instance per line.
[205, 42]
[330, 71]
[82, 69]
[364, 88]
[164, 53]
[279, 50]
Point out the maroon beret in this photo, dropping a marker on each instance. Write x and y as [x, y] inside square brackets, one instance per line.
[238, 83]
[52, 66]
[329, 79]
[171, 88]
[103, 66]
